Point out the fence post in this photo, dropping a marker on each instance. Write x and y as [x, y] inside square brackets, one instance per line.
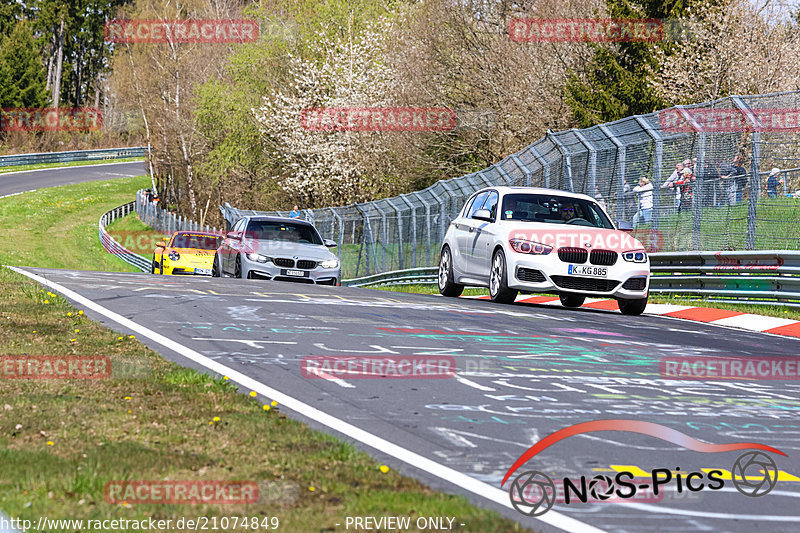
[427, 227]
[442, 224]
[755, 164]
[341, 233]
[545, 165]
[697, 202]
[384, 235]
[399, 233]
[621, 160]
[659, 144]
[523, 168]
[509, 180]
[592, 160]
[566, 154]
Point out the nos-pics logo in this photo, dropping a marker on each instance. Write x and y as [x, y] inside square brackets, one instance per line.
[533, 493]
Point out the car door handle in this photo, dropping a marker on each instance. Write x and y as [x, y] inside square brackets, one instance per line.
[471, 229]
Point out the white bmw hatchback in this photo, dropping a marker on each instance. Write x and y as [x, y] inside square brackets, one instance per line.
[523, 239]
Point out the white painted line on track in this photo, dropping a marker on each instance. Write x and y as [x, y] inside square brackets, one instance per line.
[445, 473]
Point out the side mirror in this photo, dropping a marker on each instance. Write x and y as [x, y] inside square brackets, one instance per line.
[329, 243]
[232, 235]
[161, 244]
[483, 214]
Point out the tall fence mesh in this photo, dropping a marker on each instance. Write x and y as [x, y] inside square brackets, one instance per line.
[720, 205]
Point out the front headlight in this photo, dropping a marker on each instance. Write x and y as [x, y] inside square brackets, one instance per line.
[529, 247]
[173, 255]
[635, 256]
[330, 263]
[258, 258]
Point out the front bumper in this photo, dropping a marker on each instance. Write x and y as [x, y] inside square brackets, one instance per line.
[271, 271]
[548, 274]
[176, 268]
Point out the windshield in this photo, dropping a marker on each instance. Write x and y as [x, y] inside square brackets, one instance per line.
[202, 242]
[554, 209]
[266, 230]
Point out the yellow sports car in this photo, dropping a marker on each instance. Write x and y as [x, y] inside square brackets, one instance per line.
[188, 253]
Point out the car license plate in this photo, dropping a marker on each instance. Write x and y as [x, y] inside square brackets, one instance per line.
[296, 273]
[588, 271]
[203, 271]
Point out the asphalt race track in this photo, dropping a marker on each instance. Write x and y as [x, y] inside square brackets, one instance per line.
[524, 372]
[15, 182]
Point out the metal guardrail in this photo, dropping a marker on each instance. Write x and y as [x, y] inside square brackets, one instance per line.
[770, 276]
[68, 157]
[162, 220]
[411, 276]
[115, 248]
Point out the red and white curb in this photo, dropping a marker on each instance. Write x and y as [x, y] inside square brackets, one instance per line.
[709, 315]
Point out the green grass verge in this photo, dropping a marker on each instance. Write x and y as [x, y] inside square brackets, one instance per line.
[57, 227]
[61, 441]
[23, 168]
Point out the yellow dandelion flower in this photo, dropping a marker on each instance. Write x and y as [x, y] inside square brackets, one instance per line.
[129, 411]
[69, 314]
[47, 301]
[312, 489]
[226, 378]
[77, 330]
[127, 398]
[80, 312]
[384, 468]
[51, 443]
[274, 403]
[119, 338]
[266, 407]
[131, 336]
[253, 393]
[72, 340]
[215, 419]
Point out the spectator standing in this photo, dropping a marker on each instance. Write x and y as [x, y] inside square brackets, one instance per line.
[645, 192]
[739, 176]
[599, 197]
[686, 185]
[773, 182]
[148, 196]
[294, 213]
[676, 175]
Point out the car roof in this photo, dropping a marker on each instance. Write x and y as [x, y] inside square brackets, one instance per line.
[278, 219]
[505, 189]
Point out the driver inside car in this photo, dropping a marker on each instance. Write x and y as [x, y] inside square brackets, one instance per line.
[567, 212]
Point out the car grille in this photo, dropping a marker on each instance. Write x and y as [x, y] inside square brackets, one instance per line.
[585, 284]
[306, 265]
[603, 257]
[530, 275]
[573, 255]
[635, 284]
[283, 262]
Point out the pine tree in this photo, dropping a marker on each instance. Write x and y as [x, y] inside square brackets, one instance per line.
[22, 75]
[615, 82]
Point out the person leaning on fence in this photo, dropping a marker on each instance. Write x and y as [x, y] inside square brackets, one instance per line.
[295, 212]
[772, 182]
[147, 197]
[645, 192]
[671, 181]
